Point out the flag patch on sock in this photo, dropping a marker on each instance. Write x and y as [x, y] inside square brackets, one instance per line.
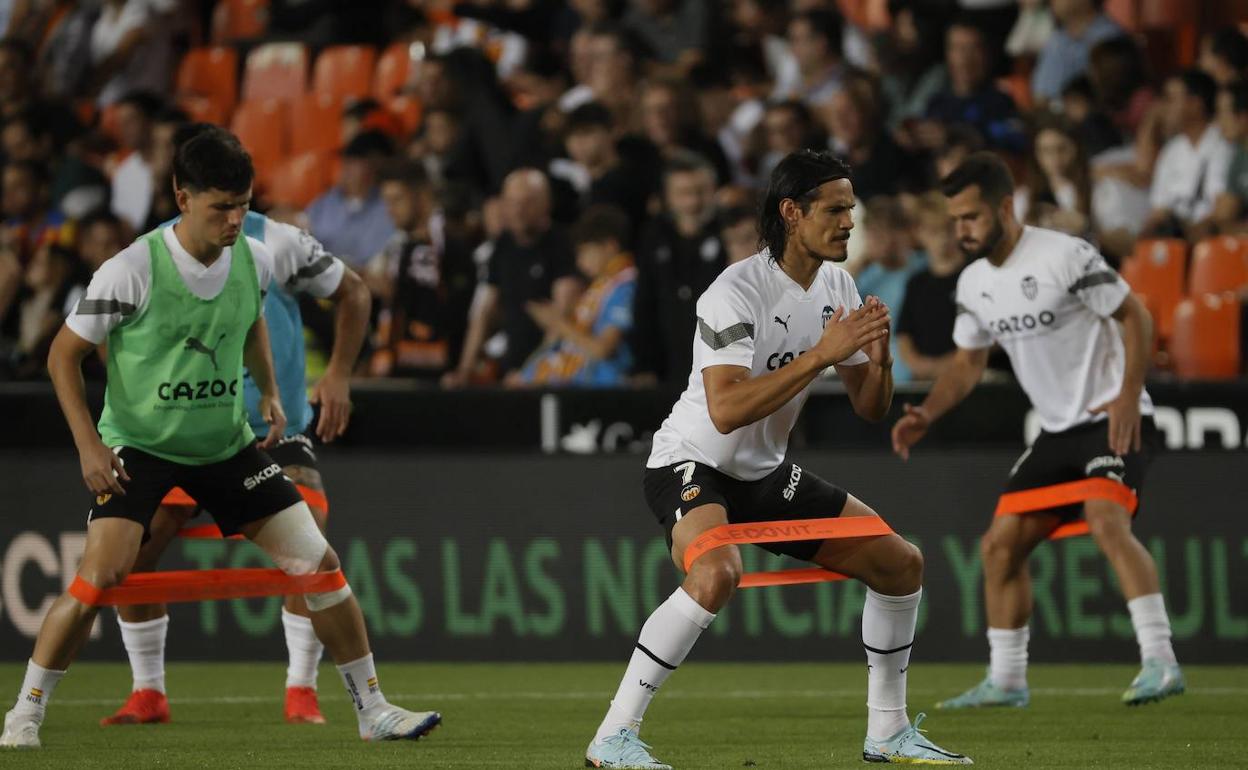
[372, 684]
[35, 696]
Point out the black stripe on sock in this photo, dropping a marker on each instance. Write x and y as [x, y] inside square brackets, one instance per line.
[869, 648]
[656, 658]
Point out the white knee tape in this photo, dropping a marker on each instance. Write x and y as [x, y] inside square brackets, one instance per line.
[318, 602]
[293, 541]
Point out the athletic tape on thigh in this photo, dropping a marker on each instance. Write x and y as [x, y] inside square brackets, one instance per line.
[204, 585]
[312, 497]
[785, 531]
[1070, 493]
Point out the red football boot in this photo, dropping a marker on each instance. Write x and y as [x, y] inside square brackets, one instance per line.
[143, 707]
[302, 708]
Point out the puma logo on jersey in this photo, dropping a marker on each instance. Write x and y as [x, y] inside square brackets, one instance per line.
[986, 295]
[199, 347]
[785, 322]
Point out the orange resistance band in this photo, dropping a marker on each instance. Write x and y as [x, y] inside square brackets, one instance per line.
[204, 585]
[1058, 495]
[784, 531]
[176, 496]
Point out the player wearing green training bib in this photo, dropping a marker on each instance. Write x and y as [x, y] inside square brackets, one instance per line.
[180, 313]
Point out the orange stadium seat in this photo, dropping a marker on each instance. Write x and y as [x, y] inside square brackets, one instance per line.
[1018, 86]
[392, 70]
[261, 125]
[345, 71]
[1219, 264]
[1156, 270]
[211, 74]
[300, 179]
[239, 20]
[408, 110]
[1206, 337]
[276, 71]
[315, 123]
[203, 109]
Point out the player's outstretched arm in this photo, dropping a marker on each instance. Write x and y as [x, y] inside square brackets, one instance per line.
[101, 469]
[333, 391]
[953, 385]
[258, 358]
[735, 399]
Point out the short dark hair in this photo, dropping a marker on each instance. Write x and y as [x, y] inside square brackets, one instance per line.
[409, 173]
[1199, 84]
[37, 171]
[797, 177]
[686, 162]
[101, 216]
[984, 170]
[1230, 44]
[175, 115]
[589, 116]
[213, 159]
[189, 131]
[602, 223]
[146, 102]
[1239, 96]
[826, 24]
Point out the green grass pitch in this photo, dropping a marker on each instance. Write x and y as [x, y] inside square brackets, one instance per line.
[707, 716]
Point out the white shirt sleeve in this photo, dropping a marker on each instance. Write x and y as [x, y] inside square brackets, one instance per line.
[1158, 194]
[300, 262]
[968, 331]
[1089, 277]
[262, 256]
[852, 300]
[117, 292]
[726, 327]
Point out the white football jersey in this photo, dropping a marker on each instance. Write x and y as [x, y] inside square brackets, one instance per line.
[1049, 307]
[756, 316]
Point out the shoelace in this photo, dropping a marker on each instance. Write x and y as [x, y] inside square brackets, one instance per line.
[633, 748]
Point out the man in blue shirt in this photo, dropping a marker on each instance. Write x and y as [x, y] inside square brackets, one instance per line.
[1081, 25]
[351, 219]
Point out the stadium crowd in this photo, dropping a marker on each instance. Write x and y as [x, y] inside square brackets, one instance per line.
[537, 191]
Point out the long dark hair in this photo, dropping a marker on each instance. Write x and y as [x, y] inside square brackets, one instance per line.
[797, 177]
[1039, 188]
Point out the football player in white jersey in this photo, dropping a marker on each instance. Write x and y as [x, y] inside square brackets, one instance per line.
[768, 327]
[1079, 342]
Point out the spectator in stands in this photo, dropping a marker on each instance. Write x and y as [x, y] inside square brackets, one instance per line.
[1230, 212]
[29, 219]
[675, 31]
[890, 261]
[925, 319]
[423, 280]
[910, 63]
[971, 96]
[41, 309]
[132, 48]
[611, 78]
[1058, 189]
[856, 134]
[815, 40]
[590, 140]
[960, 140]
[1120, 83]
[1080, 26]
[670, 120]
[1091, 127]
[100, 236]
[76, 187]
[679, 255]
[19, 92]
[350, 219]
[738, 231]
[762, 23]
[133, 178]
[1224, 55]
[1192, 169]
[435, 147]
[531, 261]
[590, 348]
[788, 126]
[164, 205]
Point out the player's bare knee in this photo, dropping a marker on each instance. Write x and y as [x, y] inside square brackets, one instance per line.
[329, 562]
[911, 563]
[103, 576]
[998, 554]
[713, 579]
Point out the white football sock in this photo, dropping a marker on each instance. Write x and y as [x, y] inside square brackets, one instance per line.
[1007, 657]
[1152, 628]
[37, 687]
[304, 649]
[360, 678]
[888, 636]
[145, 644]
[666, 638]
